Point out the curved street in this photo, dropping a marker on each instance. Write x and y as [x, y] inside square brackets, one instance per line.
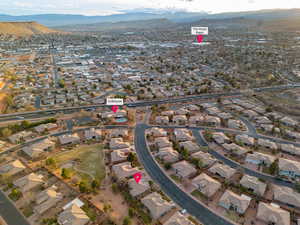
[184, 200]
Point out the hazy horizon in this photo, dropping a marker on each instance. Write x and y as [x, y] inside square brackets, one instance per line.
[110, 7]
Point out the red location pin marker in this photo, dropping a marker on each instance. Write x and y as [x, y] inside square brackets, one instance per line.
[199, 38]
[137, 177]
[114, 108]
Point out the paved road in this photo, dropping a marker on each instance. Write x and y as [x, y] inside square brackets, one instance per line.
[9, 213]
[37, 114]
[234, 164]
[184, 200]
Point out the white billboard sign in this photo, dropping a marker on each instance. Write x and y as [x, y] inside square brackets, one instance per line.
[114, 101]
[199, 30]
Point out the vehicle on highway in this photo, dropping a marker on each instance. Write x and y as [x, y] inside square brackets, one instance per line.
[20, 117]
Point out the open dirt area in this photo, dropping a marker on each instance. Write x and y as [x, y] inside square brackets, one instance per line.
[119, 208]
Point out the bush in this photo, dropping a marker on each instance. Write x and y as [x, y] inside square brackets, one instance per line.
[66, 173]
[51, 162]
[131, 212]
[115, 188]
[15, 194]
[127, 221]
[84, 187]
[167, 166]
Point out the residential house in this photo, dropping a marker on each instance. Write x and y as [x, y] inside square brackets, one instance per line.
[67, 139]
[286, 196]
[235, 149]
[136, 189]
[290, 148]
[289, 168]
[235, 124]
[212, 121]
[260, 158]
[45, 127]
[182, 134]
[157, 205]
[205, 158]
[180, 119]
[244, 139]
[232, 201]
[28, 182]
[117, 133]
[183, 169]
[119, 155]
[47, 199]
[181, 111]
[190, 146]
[162, 142]
[222, 170]
[157, 132]
[162, 120]
[220, 138]
[250, 113]
[168, 155]
[273, 214]
[178, 219]
[92, 134]
[267, 144]
[168, 113]
[124, 170]
[73, 215]
[253, 184]
[12, 168]
[206, 185]
[118, 143]
[288, 121]
[38, 148]
[21, 136]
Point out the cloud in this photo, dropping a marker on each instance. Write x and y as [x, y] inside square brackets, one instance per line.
[104, 7]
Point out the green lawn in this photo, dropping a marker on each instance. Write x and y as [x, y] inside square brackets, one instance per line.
[89, 160]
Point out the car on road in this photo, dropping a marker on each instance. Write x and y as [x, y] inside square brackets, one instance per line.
[20, 117]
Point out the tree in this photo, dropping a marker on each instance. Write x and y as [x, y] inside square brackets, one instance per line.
[115, 188]
[66, 173]
[197, 162]
[51, 162]
[131, 157]
[61, 83]
[6, 132]
[274, 168]
[208, 135]
[297, 187]
[106, 208]
[25, 124]
[131, 212]
[167, 166]
[127, 221]
[83, 187]
[95, 184]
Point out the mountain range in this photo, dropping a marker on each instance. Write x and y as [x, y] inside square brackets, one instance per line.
[53, 20]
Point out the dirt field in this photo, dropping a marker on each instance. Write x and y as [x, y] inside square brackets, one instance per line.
[119, 208]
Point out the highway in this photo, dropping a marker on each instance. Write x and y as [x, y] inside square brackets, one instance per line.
[181, 198]
[214, 96]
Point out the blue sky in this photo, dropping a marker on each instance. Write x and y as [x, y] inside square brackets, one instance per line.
[106, 7]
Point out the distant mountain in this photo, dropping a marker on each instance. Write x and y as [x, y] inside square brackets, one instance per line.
[53, 20]
[119, 26]
[23, 28]
[68, 19]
